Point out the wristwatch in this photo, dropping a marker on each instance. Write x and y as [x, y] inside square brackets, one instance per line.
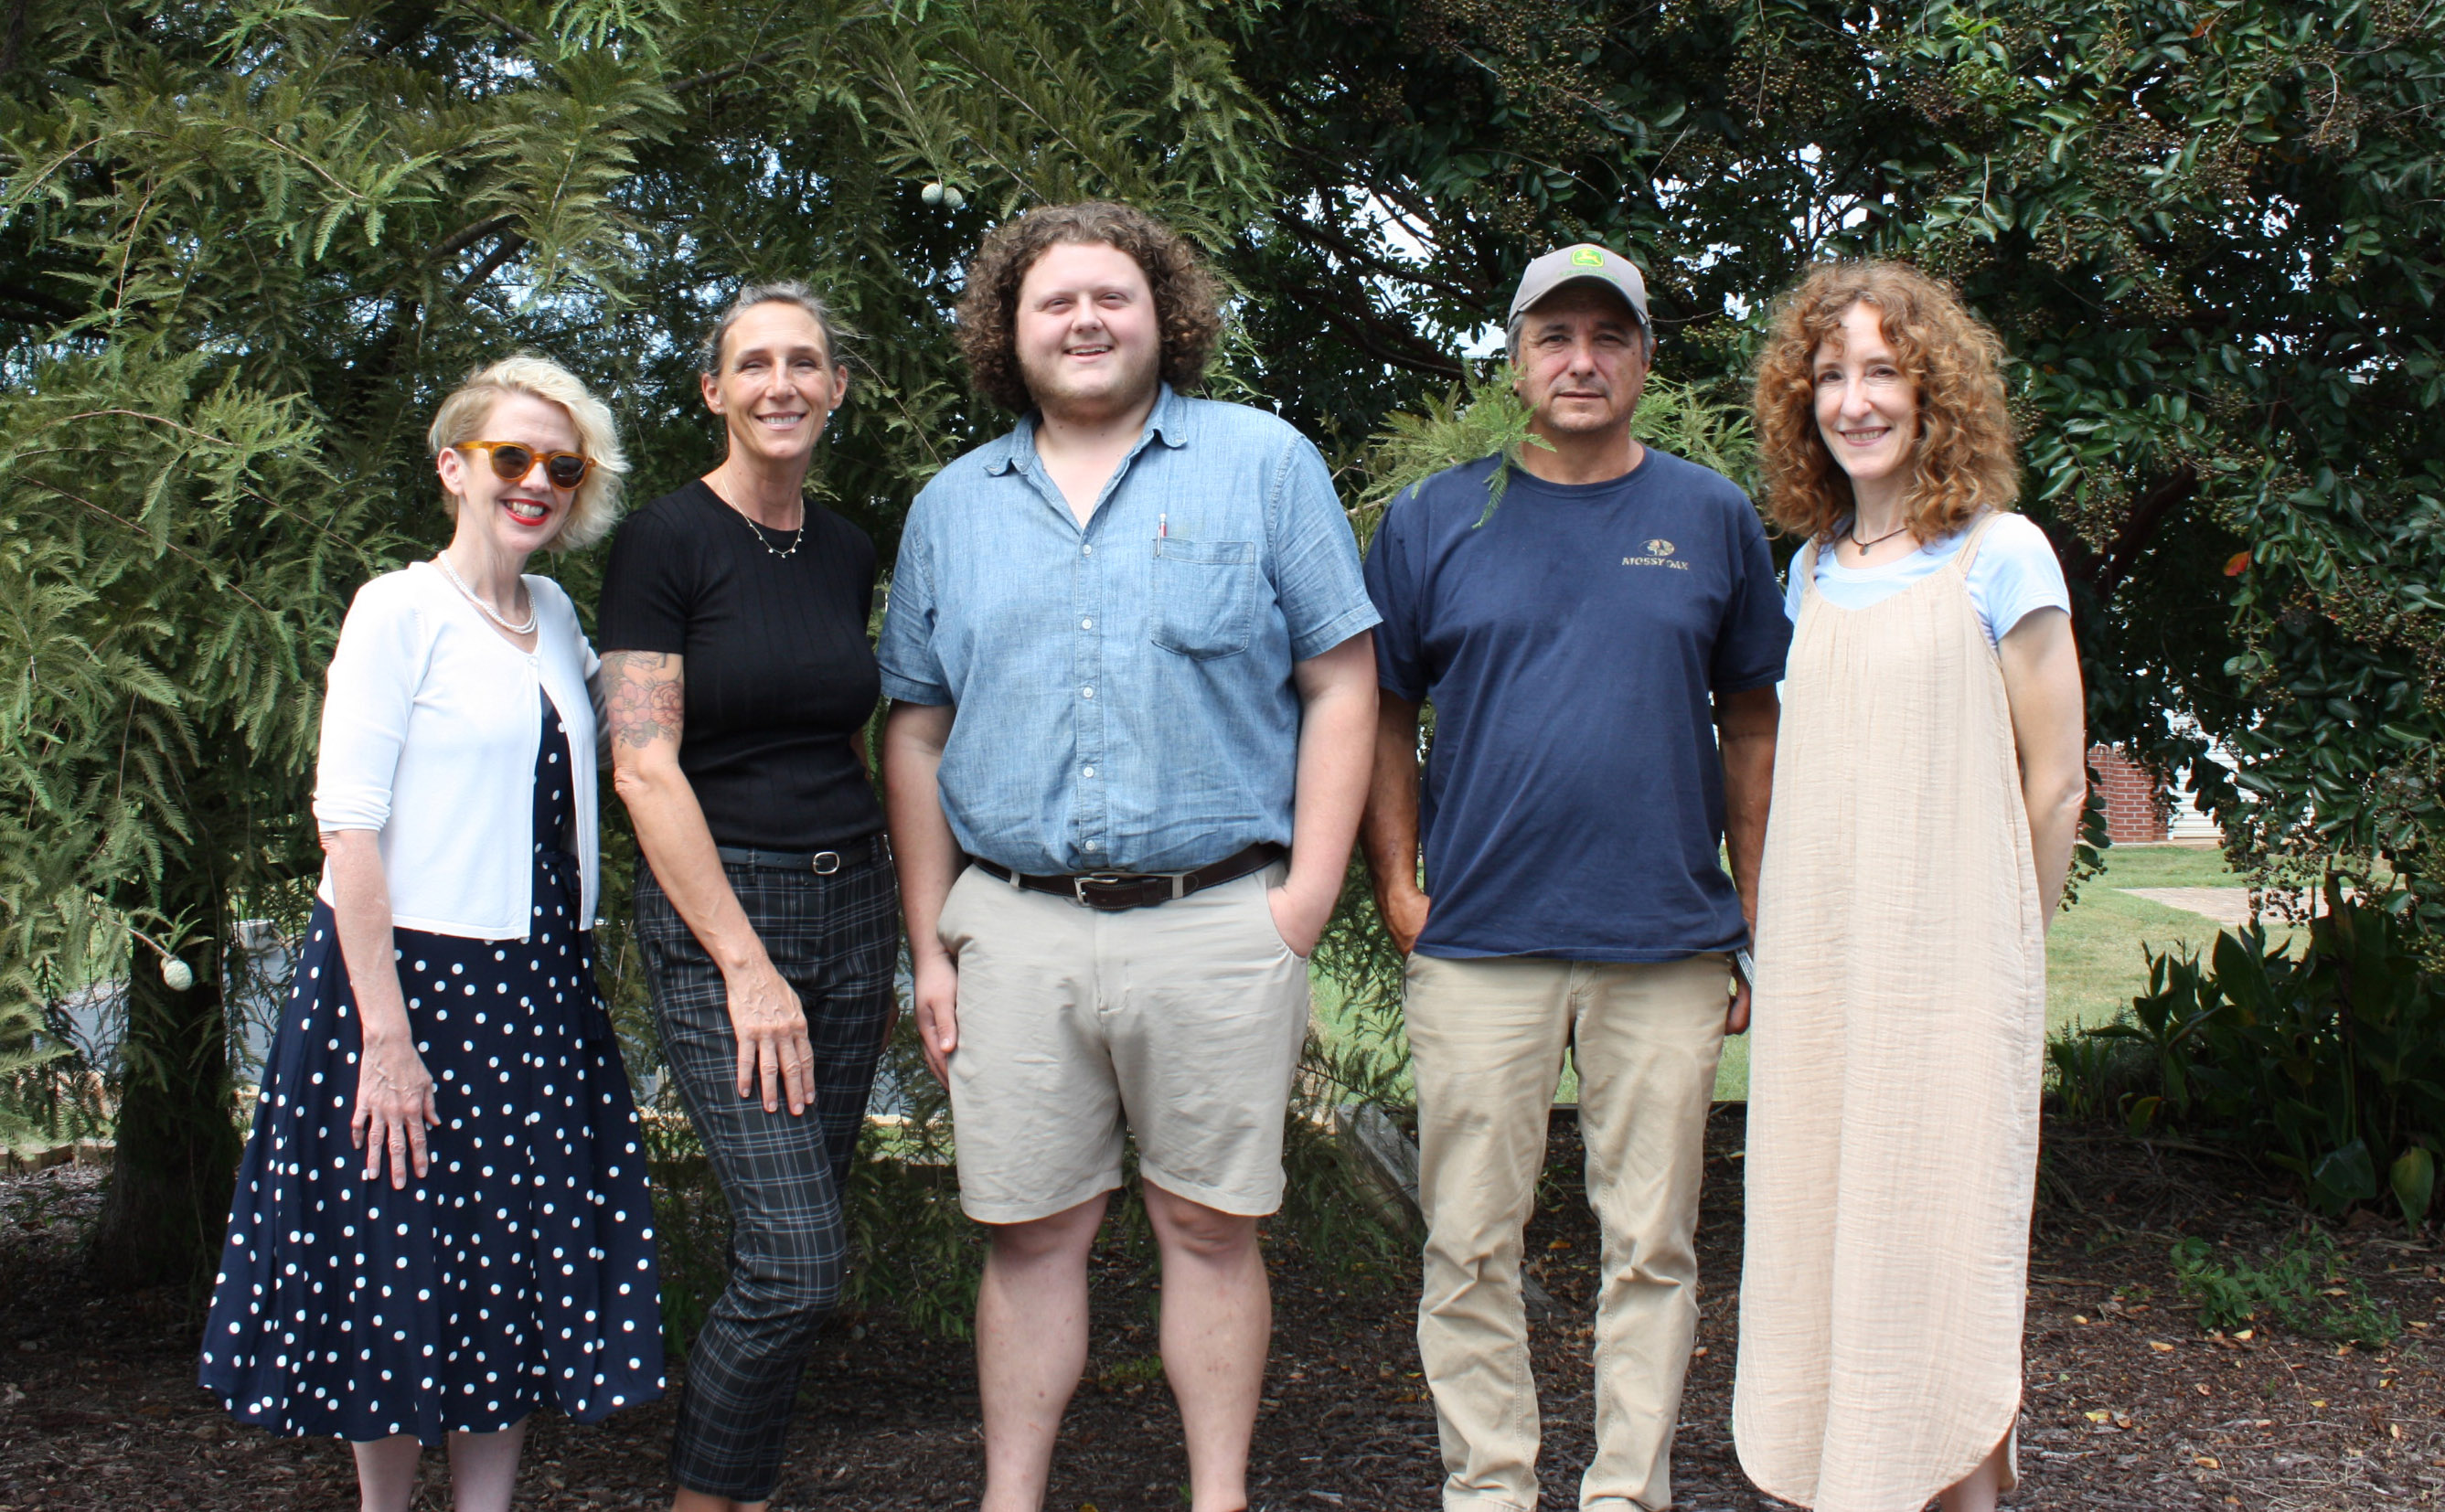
[1746, 964]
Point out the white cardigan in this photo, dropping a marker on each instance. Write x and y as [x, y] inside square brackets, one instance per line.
[429, 728]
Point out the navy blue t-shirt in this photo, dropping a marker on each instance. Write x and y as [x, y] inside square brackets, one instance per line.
[1571, 646]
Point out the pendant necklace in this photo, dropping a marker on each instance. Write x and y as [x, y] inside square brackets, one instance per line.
[442, 562]
[1879, 540]
[769, 549]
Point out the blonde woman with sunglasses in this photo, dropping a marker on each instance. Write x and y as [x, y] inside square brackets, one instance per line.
[441, 1220]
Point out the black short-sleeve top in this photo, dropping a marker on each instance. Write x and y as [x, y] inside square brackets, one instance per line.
[778, 671]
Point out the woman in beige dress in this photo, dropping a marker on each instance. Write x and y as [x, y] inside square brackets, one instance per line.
[1928, 783]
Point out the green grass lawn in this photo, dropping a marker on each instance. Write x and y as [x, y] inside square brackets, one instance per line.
[2164, 866]
[2096, 954]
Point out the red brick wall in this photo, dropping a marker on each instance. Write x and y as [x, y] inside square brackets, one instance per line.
[2136, 801]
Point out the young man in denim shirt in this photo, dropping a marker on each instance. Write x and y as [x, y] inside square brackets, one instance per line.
[1133, 696]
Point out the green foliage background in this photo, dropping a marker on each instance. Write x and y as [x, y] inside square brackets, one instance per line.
[243, 248]
[2328, 1065]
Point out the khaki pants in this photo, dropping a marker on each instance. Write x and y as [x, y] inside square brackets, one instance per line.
[1488, 1036]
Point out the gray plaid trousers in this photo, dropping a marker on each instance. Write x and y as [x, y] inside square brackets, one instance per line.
[835, 940]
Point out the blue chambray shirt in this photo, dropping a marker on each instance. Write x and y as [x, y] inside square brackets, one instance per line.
[1124, 691]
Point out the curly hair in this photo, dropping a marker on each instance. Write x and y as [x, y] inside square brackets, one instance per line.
[1188, 300]
[1966, 458]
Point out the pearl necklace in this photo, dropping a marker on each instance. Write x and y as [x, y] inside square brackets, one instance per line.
[442, 562]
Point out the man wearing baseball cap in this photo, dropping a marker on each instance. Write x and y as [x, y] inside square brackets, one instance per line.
[1601, 651]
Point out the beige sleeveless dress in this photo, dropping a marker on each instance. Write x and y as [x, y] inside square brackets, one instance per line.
[1896, 1054]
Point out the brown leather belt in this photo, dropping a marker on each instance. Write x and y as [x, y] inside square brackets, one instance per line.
[1115, 890]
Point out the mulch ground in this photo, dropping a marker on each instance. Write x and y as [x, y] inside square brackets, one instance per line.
[2129, 1405]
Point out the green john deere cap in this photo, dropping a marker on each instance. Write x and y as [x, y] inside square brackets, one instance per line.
[1586, 260]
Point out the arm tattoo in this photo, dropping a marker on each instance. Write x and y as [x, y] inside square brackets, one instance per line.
[647, 698]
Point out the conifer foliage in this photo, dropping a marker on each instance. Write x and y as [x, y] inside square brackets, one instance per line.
[243, 249]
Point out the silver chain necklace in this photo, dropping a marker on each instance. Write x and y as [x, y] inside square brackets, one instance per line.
[442, 562]
[758, 531]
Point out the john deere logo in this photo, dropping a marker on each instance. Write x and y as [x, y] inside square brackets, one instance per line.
[1586, 257]
[1659, 548]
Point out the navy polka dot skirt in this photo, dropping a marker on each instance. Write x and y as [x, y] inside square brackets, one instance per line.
[520, 1270]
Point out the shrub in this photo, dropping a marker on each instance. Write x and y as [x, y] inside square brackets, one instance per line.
[2094, 1079]
[910, 1246]
[2330, 1065]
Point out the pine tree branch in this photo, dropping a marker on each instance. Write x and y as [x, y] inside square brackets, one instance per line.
[1417, 211]
[1028, 107]
[24, 187]
[466, 237]
[525, 37]
[714, 76]
[143, 415]
[218, 580]
[324, 174]
[507, 248]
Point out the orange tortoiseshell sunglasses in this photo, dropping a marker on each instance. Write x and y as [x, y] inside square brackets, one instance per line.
[512, 461]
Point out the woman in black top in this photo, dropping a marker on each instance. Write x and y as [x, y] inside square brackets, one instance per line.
[740, 679]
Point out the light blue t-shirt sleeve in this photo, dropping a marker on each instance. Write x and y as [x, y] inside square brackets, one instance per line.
[1793, 590]
[2015, 575]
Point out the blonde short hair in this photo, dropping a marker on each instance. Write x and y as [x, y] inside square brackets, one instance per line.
[463, 414]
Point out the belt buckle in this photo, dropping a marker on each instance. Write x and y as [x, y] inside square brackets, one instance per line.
[1079, 883]
[822, 856]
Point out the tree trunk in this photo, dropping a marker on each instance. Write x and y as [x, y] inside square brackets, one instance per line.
[167, 1205]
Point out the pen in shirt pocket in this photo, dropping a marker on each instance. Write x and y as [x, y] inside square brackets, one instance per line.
[1162, 526]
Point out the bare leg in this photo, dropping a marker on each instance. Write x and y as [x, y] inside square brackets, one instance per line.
[484, 1469]
[687, 1500]
[386, 1472]
[1031, 1346]
[1217, 1320]
[1976, 1491]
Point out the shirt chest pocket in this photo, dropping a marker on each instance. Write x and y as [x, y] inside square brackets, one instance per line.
[1204, 596]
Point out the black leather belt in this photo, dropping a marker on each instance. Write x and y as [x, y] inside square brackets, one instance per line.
[1115, 890]
[822, 863]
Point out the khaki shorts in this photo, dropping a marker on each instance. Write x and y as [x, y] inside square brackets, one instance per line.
[1180, 1023]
